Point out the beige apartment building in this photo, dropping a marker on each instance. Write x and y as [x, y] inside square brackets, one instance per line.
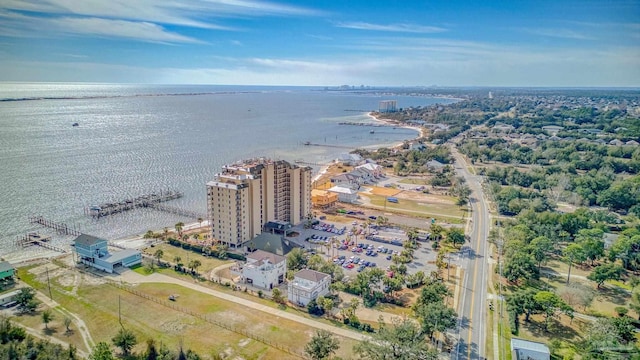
[248, 194]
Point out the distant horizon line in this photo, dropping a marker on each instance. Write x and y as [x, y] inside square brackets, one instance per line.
[338, 87]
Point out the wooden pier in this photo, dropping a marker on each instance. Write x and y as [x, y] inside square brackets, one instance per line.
[370, 124]
[38, 240]
[178, 211]
[329, 145]
[60, 228]
[148, 200]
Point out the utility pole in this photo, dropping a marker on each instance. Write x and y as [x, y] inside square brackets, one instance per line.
[49, 284]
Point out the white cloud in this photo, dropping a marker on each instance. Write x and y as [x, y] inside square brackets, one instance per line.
[118, 28]
[195, 13]
[408, 28]
[559, 33]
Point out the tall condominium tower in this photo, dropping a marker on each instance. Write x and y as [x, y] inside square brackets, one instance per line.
[248, 194]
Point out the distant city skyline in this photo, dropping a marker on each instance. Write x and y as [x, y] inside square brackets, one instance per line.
[586, 43]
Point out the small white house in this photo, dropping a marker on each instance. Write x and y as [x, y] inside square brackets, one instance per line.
[264, 269]
[345, 194]
[308, 285]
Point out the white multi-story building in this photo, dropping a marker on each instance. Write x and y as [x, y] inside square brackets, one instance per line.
[308, 285]
[264, 269]
[247, 195]
[387, 106]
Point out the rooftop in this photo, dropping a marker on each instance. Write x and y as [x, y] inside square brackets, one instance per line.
[260, 255]
[88, 240]
[311, 275]
[118, 256]
[529, 345]
[5, 266]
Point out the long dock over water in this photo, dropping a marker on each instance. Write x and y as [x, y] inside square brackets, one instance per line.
[61, 228]
[39, 240]
[148, 200]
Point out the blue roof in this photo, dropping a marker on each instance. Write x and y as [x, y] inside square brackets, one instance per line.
[529, 345]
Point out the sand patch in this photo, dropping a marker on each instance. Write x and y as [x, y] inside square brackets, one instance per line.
[244, 342]
[382, 191]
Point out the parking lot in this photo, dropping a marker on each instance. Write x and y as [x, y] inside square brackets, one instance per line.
[354, 252]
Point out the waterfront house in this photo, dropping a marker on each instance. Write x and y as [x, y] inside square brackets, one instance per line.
[616, 142]
[322, 199]
[345, 194]
[417, 146]
[529, 350]
[264, 269]
[6, 270]
[373, 168]
[349, 159]
[347, 180]
[94, 252]
[308, 285]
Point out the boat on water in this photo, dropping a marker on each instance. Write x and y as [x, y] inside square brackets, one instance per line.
[372, 132]
[75, 124]
[307, 142]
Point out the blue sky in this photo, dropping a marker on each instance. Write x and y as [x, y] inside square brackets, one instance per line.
[377, 43]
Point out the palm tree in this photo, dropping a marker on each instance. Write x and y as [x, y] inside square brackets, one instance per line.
[47, 316]
[125, 340]
[178, 260]
[165, 233]
[158, 255]
[179, 227]
[194, 265]
[200, 220]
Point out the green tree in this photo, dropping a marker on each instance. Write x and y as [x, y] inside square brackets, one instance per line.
[435, 317]
[523, 301]
[540, 247]
[149, 235]
[602, 273]
[402, 340]
[436, 231]
[322, 345]
[26, 300]
[456, 236]
[520, 265]
[152, 351]
[276, 294]
[47, 316]
[550, 304]
[592, 243]
[67, 324]
[158, 255]
[194, 265]
[297, 259]
[125, 340]
[101, 351]
[573, 253]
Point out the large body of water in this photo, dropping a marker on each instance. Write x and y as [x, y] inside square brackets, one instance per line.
[135, 139]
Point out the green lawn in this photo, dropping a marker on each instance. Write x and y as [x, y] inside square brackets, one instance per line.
[453, 213]
[414, 181]
[99, 305]
[170, 253]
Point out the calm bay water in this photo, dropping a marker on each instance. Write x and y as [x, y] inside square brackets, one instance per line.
[135, 139]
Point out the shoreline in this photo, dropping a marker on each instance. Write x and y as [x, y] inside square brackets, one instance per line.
[420, 130]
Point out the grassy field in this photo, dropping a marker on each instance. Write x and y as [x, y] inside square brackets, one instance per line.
[452, 212]
[98, 305]
[414, 181]
[170, 252]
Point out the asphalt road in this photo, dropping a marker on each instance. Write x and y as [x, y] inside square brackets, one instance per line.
[472, 307]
